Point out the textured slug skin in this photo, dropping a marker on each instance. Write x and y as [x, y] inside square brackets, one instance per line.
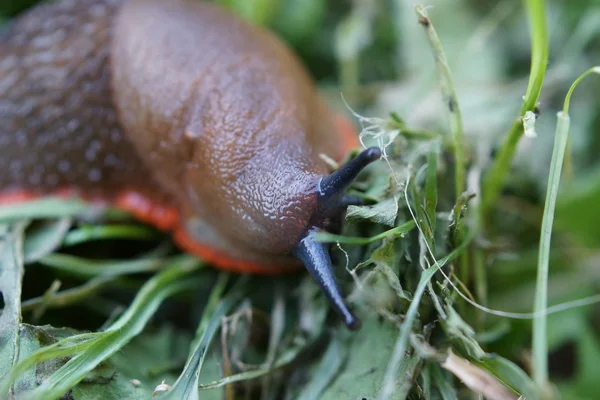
[177, 111]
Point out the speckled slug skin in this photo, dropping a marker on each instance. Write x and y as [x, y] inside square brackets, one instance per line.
[58, 125]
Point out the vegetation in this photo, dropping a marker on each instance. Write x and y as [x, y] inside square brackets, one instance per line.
[474, 273]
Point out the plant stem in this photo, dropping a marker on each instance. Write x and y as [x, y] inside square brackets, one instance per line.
[496, 177]
[540, 341]
[540, 345]
[481, 281]
[450, 99]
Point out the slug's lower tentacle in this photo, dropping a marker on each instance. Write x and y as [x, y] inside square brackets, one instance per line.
[317, 261]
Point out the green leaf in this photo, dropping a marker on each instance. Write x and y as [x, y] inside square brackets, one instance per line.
[44, 239]
[459, 331]
[111, 386]
[132, 373]
[313, 312]
[510, 374]
[150, 358]
[324, 374]
[11, 281]
[398, 231]
[384, 212]
[31, 339]
[441, 382]
[364, 369]
[385, 258]
[497, 174]
[573, 327]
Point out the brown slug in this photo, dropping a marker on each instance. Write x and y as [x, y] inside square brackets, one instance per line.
[184, 115]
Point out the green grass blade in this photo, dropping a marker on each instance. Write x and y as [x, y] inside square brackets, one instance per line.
[388, 385]
[276, 331]
[85, 268]
[431, 187]
[540, 346]
[11, 281]
[442, 384]
[449, 98]
[593, 70]
[422, 219]
[98, 347]
[62, 349]
[510, 374]
[211, 306]
[285, 359]
[186, 386]
[50, 207]
[326, 371]
[102, 232]
[540, 341]
[398, 231]
[69, 296]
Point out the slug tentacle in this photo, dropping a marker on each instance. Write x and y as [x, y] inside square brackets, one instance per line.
[330, 204]
[334, 185]
[316, 259]
[331, 189]
[352, 201]
[331, 199]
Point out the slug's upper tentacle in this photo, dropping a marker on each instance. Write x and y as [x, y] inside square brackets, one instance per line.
[334, 185]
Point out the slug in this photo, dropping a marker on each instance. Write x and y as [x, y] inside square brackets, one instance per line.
[184, 115]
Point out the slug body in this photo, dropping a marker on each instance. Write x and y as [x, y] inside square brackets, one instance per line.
[183, 114]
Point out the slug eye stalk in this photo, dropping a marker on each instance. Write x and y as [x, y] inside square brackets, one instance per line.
[334, 185]
[314, 255]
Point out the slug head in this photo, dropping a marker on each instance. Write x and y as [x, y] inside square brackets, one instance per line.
[331, 202]
[278, 220]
